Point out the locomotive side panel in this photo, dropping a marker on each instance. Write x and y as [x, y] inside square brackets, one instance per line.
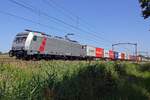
[63, 47]
[35, 43]
[77, 50]
[41, 44]
[28, 41]
[56, 47]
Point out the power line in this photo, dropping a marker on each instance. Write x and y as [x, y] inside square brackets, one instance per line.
[32, 21]
[72, 15]
[61, 8]
[54, 18]
[54, 6]
[29, 20]
[45, 14]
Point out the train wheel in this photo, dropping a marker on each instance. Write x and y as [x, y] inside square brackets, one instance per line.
[11, 53]
[27, 58]
[38, 57]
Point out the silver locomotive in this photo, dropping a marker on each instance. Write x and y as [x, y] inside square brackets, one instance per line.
[38, 45]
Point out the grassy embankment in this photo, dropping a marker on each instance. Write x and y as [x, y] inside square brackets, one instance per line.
[74, 80]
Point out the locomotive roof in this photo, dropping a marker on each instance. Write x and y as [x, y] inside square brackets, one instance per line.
[22, 33]
[56, 37]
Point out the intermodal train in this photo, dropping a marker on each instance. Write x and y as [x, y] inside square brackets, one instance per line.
[38, 45]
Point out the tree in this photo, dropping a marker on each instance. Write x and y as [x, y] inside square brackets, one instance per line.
[145, 5]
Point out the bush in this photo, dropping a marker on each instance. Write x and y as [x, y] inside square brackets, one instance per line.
[144, 67]
[89, 83]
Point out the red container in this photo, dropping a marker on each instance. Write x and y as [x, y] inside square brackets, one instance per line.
[123, 56]
[111, 54]
[99, 52]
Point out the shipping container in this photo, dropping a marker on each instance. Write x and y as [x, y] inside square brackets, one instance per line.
[106, 53]
[119, 55]
[126, 56]
[90, 51]
[122, 56]
[99, 52]
[132, 58]
[116, 55]
[111, 54]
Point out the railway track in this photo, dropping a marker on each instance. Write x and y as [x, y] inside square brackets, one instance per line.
[8, 59]
[18, 63]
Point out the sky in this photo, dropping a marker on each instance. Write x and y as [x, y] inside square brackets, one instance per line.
[99, 23]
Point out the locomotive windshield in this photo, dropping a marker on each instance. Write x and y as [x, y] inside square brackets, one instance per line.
[20, 39]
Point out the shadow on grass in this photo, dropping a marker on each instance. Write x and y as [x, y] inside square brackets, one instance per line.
[96, 83]
[130, 86]
[144, 67]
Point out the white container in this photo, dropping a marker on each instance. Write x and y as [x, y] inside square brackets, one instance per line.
[106, 53]
[126, 56]
[90, 51]
[119, 56]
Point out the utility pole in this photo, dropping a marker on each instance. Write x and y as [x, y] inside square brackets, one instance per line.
[134, 44]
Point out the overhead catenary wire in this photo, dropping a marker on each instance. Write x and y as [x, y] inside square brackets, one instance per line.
[128, 50]
[54, 18]
[60, 10]
[32, 21]
[73, 16]
[29, 20]
[45, 14]
[68, 12]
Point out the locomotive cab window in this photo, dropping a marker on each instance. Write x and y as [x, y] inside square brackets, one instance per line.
[35, 38]
[20, 39]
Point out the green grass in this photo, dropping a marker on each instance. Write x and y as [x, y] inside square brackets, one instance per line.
[74, 80]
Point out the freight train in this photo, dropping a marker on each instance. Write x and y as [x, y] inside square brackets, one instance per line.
[38, 45]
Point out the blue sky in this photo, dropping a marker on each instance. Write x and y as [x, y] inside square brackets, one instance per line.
[104, 22]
